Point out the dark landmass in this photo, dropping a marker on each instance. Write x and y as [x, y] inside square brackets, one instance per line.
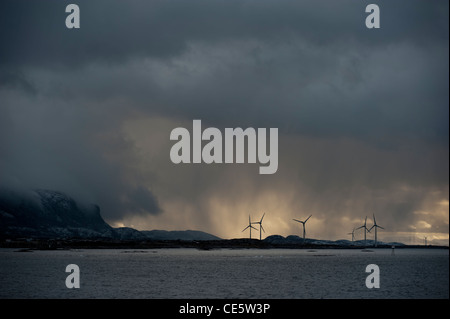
[49, 214]
[241, 243]
[46, 214]
[46, 219]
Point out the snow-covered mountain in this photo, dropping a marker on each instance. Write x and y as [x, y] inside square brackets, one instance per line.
[47, 213]
[52, 214]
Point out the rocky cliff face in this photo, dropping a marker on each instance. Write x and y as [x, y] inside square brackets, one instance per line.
[47, 213]
[52, 214]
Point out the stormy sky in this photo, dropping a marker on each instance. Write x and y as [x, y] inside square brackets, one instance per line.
[362, 113]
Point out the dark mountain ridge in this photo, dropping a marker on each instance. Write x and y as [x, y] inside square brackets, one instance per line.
[52, 214]
[46, 213]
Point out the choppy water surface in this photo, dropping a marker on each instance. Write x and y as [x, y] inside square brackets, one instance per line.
[246, 273]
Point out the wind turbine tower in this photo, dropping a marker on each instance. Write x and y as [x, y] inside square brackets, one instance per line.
[353, 234]
[260, 226]
[365, 230]
[303, 222]
[249, 227]
[376, 226]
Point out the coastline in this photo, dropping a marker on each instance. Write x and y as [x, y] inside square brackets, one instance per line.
[74, 243]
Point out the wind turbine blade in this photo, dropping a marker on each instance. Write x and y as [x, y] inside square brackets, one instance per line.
[262, 228]
[253, 227]
[249, 222]
[308, 218]
[298, 220]
[262, 217]
[245, 228]
[380, 227]
[360, 227]
[374, 221]
[370, 228]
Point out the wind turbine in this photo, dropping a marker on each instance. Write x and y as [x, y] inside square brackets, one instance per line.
[376, 226]
[260, 226]
[365, 230]
[353, 234]
[303, 222]
[250, 227]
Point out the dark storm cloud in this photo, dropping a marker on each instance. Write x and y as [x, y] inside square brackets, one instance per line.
[361, 112]
[114, 30]
[294, 51]
[54, 145]
[141, 200]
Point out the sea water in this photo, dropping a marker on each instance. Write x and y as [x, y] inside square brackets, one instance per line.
[225, 273]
